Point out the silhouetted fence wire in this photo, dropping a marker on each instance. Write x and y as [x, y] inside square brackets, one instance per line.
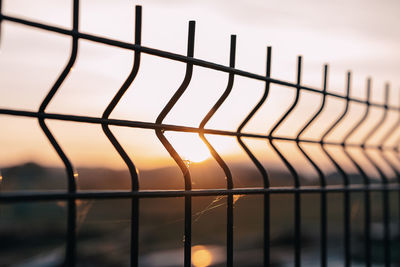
[387, 183]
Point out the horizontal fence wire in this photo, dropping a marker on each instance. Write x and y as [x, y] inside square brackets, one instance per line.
[385, 185]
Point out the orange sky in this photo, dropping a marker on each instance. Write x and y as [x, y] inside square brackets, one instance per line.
[359, 35]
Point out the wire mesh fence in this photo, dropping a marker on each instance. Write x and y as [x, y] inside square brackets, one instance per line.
[387, 185]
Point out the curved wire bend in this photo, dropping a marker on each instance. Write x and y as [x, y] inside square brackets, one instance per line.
[259, 104]
[281, 120]
[372, 132]
[111, 106]
[214, 109]
[71, 217]
[396, 150]
[315, 116]
[382, 142]
[363, 119]
[383, 155]
[332, 127]
[49, 97]
[171, 103]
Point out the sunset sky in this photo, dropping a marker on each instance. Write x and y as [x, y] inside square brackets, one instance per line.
[362, 36]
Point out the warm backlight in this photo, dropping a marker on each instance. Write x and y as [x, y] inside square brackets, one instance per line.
[189, 146]
[196, 155]
[201, 257]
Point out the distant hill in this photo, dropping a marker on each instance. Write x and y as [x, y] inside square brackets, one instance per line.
[32, 176]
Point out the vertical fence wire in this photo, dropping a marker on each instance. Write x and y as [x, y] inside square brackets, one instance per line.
[258, 164]
[384, 180]
[366, 180]
[346, 182]
[382, 142]
[217, 157]
[179, 161]
[296, 178]
[134, 255]
[321, 176]
[70, 253]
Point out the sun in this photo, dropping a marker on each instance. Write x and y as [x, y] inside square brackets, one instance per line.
[196, 156]
[189, 146]
[201, 257]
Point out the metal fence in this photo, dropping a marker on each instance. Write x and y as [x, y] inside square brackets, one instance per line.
[387, 184]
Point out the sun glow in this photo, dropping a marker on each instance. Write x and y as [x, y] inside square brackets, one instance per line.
[201, 257]
[196, 155]
[189, 146]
